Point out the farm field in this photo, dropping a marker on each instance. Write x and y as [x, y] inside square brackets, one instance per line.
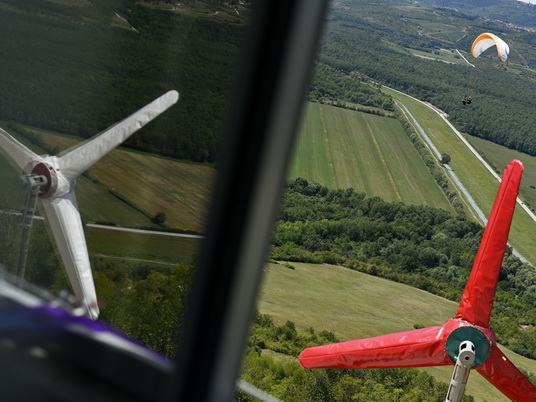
[147, 247]
[499, 156]
[441, 30]
[341, 148]
[354, 305]
[151, 183]
[447, 56]
[475, 177]
[235, 14]
[10, 184]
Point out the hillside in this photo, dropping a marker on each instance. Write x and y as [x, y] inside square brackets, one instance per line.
[499, 157]
[512, 11]
[414, 49]
[132, 187]
[73, 68]
[353, 305]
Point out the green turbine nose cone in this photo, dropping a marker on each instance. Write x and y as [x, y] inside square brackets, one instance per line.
[472, 334]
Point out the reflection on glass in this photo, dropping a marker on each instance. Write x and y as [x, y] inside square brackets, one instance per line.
[71, 69]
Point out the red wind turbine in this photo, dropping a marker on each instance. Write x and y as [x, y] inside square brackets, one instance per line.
[442, 345]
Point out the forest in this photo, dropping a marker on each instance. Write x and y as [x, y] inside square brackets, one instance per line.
[76, 70]
[373, 41]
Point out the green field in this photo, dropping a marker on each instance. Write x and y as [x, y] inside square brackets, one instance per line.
[354, 305]
[441, 30]
[447, 56]
[146, 247]
[238, 14]
[341, 148]
[151, 183]
[472, 173]
[499, 156]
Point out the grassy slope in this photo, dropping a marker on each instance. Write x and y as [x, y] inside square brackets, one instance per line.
[153, 183]
[151, 247]
[475, 177]
[340, 148]
[240, 14]
[499, 156]
[354, 305]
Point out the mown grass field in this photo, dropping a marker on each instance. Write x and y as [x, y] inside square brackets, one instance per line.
[445, 55]
[354, 305]
[152, 183]
[11, 193]
[141, 246]
[237, 14]
[475, 177]
[341, 148]
[445, 31]
[499, 156]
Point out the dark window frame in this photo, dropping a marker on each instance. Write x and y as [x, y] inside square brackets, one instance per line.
[256, 150]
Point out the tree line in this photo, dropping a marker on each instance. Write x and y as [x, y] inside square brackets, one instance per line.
[420, 246]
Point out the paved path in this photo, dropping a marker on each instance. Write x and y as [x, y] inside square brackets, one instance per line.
[443, 115]
[115, 257]
[456, 180]
[450, 172]
[144, 231]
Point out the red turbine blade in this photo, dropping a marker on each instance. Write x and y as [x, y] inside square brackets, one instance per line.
[417, 348]
[502, 373]
[477, 299]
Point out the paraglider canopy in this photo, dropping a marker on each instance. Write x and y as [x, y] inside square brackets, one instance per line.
[487, 40]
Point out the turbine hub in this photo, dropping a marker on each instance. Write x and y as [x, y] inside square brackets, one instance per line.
[47, 170]
[479, 340]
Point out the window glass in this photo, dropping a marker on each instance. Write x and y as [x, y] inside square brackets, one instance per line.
[72, 69]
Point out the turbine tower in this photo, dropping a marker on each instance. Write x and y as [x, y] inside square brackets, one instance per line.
[57, 195]
[466, 340]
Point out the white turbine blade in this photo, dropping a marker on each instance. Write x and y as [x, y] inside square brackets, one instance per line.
[76, 160]
[64, 219]
[15, 151]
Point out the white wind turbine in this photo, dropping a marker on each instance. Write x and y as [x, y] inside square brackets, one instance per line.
[58, 197]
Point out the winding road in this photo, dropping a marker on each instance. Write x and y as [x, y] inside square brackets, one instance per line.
[451, 173]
